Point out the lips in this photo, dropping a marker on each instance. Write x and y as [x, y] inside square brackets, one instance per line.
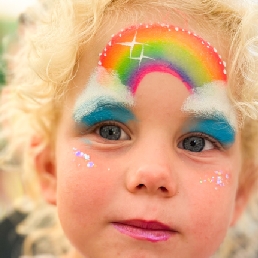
[152, 231]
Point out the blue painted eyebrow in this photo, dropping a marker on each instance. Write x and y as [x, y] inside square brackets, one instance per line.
[101, 110]
[217, 127]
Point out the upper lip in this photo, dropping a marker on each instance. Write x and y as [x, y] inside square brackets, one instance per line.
[147, 225]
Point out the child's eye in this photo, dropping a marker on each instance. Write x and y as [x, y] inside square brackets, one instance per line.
[196, 144]
[112, 132]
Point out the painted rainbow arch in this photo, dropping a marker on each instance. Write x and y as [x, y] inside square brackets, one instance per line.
[139, 50]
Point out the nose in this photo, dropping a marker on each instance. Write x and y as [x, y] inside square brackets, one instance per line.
[152, 173]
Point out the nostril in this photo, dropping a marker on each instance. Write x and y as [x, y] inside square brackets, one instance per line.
[140, 186]
[163, 189]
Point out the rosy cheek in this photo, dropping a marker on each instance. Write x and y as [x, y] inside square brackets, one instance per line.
[217, 179]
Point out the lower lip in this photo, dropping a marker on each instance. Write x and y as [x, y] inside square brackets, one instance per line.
[143, 234]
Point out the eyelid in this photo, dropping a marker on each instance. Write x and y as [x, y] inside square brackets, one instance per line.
[215, 143]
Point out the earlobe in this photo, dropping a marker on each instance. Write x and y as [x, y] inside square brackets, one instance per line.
[45, 167]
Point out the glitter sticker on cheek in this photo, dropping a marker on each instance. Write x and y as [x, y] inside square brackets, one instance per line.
[80, 154]
[218, 179]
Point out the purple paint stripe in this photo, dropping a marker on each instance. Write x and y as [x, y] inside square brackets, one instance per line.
[139, 74]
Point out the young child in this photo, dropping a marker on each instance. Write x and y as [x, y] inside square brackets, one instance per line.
[138, 119]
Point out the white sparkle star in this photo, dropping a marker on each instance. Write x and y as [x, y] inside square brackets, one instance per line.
[131, 45]
[141, 57]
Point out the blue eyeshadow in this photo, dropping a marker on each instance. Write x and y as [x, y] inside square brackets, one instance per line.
[104, 110]
[217, 127]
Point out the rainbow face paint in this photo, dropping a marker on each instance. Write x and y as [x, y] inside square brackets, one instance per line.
[139, 50]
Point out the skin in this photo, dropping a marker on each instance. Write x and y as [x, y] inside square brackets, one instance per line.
[145, 175]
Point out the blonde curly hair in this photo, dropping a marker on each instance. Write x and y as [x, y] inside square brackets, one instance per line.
[48, 58]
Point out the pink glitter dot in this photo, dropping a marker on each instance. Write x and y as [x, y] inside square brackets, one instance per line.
[90, 164]
[78, 154]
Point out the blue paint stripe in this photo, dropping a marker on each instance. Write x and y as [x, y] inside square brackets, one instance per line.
[218, 128]
[105, 110]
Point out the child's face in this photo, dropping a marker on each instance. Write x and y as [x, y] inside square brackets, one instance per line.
[151, 169]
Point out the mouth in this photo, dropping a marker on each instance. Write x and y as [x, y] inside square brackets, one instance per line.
[152, 231]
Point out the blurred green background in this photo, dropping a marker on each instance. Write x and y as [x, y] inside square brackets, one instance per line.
[10, 182]
[8, 27]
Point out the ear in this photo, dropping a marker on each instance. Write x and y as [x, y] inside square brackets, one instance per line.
[246, 185]
[242, 198]
[45, 167]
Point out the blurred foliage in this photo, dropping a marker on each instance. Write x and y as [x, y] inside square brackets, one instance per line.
[8, 27]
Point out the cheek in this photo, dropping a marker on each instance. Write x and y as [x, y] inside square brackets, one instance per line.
[216, 179]
[212, 198]
[85, 184]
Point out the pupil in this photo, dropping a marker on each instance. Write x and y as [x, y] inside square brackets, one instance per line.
[194, 144]
[110, 132]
